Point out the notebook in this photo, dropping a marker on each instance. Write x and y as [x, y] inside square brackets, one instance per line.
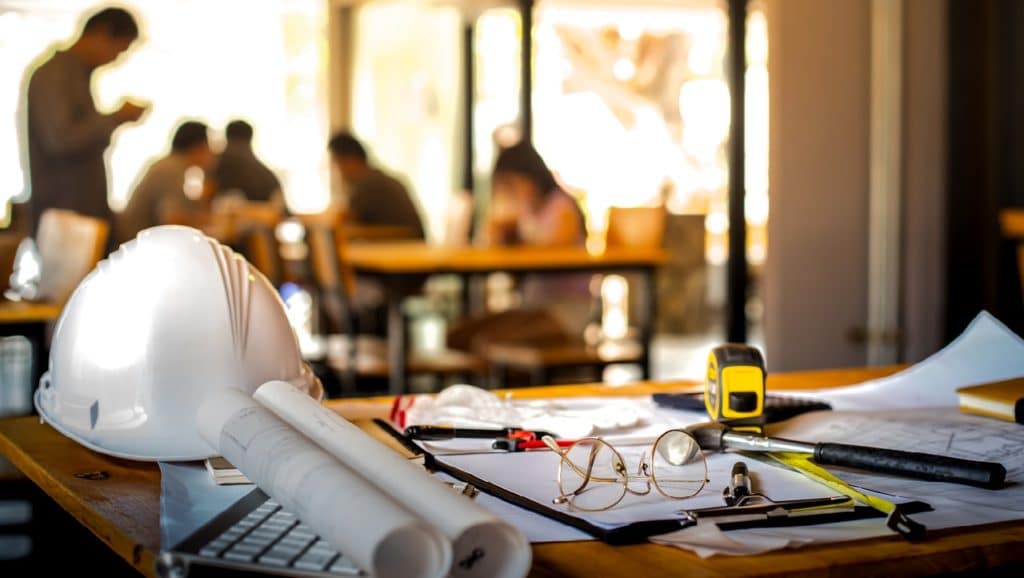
[1002, 399]
[223, 473]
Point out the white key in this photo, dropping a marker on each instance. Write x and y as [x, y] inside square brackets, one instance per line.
[314, 561]
[277, 558]
[239, 556]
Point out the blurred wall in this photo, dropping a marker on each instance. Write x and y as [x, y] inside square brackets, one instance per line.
[924, 173]
[816, 270]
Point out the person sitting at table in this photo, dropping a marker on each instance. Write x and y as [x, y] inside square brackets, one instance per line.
[239, 170]
[165, 193]
[374, 197]
[529, 208]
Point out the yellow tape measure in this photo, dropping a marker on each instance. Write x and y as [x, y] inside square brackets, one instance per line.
[735, 383]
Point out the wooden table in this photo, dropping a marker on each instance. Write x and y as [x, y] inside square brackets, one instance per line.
[377, 233]
[29, 319]
[124, 510]
[394, 263]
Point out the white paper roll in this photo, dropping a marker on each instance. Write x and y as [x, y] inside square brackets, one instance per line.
[344, 508]
[483, 545]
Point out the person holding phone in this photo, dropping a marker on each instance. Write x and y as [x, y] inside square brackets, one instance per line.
[65, 137]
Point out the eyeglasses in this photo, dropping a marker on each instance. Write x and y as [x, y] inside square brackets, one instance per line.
[592, 474]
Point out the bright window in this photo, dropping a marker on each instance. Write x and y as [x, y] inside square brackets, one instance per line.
[406, 97]
[211, 61]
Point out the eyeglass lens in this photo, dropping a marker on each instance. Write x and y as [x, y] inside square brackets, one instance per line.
[606, 483]
[678, 467]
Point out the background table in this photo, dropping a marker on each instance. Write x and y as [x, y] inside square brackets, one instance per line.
[395, 263]
[124, 510]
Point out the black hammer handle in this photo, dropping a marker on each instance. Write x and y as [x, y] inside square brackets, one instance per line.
[913, 464]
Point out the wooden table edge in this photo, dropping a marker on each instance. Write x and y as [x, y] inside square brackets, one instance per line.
[946, 551]
[131, 551]
[17, 312]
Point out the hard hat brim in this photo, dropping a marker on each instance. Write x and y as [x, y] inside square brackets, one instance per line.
[160, 448]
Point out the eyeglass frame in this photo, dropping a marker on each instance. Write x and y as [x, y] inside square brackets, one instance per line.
[626, 478]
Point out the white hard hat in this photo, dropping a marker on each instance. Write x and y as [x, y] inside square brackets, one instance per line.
[162, 321]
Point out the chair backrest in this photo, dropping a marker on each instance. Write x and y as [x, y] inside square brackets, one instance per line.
[458, 220]
[259, 246]
[1011, 222]
[69, 246]
[255, 224]
[9, 242]
[326, 240]
[641, 227]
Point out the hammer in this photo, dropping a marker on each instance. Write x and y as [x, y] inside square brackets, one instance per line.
[716, 436]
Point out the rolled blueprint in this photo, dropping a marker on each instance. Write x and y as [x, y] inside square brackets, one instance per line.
[344, 508]
[483, 545]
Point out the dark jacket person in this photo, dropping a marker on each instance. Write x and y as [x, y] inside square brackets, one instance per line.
[375, 198]
[239, 169]
[64, 134]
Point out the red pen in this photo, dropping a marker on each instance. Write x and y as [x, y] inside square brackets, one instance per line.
[540, 445]
[525, 445]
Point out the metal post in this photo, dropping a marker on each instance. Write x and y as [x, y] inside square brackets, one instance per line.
[468, 101]
[526, 69]
[737, 264]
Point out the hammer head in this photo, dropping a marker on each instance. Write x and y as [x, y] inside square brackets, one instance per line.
[709, 435]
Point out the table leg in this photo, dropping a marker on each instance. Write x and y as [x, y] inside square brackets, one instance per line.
[397, 341]
[648, 315]
[40, 353]
[465, 294]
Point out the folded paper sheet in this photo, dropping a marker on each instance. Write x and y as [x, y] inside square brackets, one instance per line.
[986, 351]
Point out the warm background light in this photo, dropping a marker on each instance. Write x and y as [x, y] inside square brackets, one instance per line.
[211, 61]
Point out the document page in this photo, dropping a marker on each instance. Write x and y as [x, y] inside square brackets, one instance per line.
[534, 475]
[986, 351]
[943, 431]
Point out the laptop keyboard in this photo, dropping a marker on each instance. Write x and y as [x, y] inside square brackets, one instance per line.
[270, 536]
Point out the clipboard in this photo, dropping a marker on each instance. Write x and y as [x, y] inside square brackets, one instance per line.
[631, 533]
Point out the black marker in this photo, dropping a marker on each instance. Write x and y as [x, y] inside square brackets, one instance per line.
[438, 432]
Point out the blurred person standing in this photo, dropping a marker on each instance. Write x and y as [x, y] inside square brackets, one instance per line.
[374, 197]
[64, 137]
[161, 195]
[239, 169]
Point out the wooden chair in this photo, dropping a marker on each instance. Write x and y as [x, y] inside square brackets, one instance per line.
[69, 247]
[356, 355]
[255, 225]
[1011, 222]
[458, 220]
[634, 227]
